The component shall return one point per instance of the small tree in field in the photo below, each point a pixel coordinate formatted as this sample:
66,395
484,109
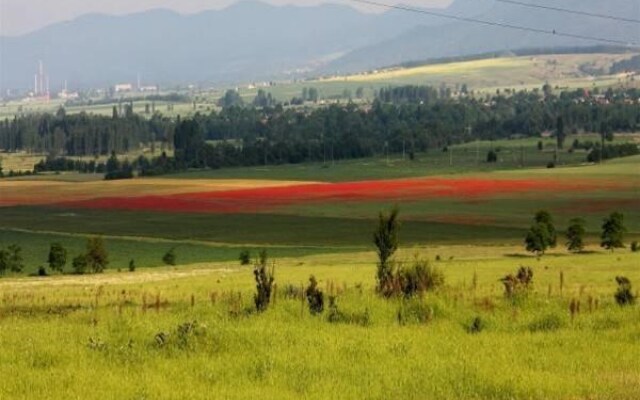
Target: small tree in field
386,240
170,257
57,257
544,217
575,235
264,282
537,239
97,256
613,231
245,257
79,264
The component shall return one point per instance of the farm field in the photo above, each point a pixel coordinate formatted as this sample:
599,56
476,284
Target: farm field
482,76
190,330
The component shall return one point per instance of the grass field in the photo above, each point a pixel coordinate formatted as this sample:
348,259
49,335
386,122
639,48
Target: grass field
68,334
189,331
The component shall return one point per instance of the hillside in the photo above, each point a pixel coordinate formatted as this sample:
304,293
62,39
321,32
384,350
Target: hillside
255,41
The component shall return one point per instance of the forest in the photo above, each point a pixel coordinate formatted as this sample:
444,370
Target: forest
406,119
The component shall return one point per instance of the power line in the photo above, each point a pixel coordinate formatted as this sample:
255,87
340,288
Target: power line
568,11
500,24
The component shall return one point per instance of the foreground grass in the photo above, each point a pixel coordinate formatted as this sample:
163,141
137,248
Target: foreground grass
96,339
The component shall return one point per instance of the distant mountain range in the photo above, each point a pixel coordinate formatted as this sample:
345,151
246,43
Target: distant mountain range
252,41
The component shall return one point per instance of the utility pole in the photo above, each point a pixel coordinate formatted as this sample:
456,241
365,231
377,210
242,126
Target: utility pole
450,156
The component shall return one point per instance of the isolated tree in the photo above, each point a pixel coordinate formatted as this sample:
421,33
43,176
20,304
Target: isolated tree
538,239
170,257
385,239
540,145
575,235
57,257
492,157
544,217
613,231
97,256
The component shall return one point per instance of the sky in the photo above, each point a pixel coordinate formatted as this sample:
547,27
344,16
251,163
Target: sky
22,16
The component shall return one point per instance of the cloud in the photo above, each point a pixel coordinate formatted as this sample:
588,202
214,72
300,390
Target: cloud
18,17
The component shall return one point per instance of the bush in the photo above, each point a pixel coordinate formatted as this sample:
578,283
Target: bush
132,265
476,326
245,257
170,257
419,278
518,284
315,297
635,247
624,296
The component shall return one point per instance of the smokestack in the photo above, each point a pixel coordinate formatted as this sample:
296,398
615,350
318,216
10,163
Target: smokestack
35,85
41,77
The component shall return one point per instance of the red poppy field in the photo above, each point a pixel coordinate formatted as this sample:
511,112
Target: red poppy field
267,199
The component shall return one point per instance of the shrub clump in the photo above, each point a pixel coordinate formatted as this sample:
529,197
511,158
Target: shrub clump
476,326
420,277
518,284
624,296
245,257
315,297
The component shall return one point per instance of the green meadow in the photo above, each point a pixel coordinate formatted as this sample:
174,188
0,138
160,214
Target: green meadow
191,330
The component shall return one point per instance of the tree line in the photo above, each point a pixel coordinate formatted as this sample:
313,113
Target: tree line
408,119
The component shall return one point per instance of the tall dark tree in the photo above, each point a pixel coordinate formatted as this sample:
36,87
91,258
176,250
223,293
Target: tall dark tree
575,235
97,256
613,231
57,257
544,217
385,239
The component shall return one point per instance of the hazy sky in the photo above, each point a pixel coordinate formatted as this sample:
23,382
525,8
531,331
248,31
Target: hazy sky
21,16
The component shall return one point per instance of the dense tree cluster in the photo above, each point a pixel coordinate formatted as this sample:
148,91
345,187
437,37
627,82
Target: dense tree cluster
410,119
